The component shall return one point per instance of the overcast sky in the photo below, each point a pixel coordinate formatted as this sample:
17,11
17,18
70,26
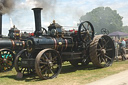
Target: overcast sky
65,12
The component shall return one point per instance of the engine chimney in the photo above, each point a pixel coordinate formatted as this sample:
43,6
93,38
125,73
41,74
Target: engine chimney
0,25
37,15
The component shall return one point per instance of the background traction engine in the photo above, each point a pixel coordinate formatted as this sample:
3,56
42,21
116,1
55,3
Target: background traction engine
7,46
7,54
44,54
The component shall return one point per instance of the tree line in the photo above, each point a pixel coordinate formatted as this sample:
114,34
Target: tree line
105,17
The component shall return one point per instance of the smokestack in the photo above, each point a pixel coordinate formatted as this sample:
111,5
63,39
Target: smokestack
0,25
37,15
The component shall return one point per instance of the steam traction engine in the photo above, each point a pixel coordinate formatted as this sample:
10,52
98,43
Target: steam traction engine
7,46
44,54
11,45
8,49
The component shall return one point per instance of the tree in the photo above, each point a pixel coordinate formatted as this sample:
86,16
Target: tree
104,17
125,29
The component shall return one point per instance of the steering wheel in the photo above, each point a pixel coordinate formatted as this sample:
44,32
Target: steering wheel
86,32
44,31
104,31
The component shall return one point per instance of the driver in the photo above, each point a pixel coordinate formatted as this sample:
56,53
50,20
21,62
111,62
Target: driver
54,25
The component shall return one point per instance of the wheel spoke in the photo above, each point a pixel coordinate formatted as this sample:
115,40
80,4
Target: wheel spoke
43,68
43,62
51,70
99,58
84,27
110,49
104,60
108,57
98,54
98,49
50,56
99,45
46,57
106,43
89,37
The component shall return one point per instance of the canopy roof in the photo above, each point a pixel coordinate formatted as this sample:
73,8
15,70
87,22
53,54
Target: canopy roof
118,33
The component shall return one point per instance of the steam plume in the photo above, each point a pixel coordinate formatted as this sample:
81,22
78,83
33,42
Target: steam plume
6,6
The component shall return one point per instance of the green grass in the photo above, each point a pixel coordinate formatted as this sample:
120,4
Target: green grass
68,76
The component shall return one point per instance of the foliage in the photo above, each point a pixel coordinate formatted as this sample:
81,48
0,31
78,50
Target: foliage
104,17
125,29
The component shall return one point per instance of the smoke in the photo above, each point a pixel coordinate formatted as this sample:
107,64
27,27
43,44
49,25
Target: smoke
47,5
6,6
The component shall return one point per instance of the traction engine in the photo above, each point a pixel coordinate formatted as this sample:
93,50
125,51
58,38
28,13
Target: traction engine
44,54
9,46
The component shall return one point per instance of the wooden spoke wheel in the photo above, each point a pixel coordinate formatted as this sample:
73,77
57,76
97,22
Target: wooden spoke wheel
7,58
23,54
102,51
86,32
48,64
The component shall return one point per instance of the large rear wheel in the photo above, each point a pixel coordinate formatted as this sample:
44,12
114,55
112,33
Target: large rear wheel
102,51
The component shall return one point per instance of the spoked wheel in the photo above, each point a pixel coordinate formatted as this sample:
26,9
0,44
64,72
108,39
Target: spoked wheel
48,64
104,31
102,51
7,58
86,32
20,66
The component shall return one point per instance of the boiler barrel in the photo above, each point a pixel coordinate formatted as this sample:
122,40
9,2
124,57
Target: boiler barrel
11,44
59,44
5,43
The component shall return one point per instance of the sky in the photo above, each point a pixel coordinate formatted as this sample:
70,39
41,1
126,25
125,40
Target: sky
65,12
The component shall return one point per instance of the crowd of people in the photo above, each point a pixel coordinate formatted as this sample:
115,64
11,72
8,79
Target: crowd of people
120,48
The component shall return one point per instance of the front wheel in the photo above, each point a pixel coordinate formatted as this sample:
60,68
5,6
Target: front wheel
48,64
7,58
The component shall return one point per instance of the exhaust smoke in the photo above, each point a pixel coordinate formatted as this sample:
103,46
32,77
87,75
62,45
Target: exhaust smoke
6,6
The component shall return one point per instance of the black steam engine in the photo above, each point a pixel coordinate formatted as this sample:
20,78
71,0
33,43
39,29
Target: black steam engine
7,47
44,54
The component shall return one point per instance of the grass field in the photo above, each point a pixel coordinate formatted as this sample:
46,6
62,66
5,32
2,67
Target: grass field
68,76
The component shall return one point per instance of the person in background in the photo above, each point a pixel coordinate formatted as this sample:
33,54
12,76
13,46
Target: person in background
122,49
116,49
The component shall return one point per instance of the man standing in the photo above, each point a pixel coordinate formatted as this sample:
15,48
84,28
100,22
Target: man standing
123,50
116,49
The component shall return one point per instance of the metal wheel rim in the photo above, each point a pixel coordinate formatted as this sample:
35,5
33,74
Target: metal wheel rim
44,64
7,58
104,31
86,32
102,51
18,59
